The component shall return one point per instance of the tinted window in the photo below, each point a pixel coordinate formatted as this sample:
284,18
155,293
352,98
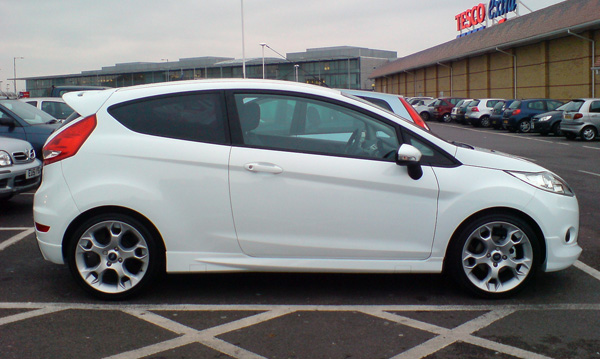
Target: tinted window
194,117
59,110
573,106
307,125
492,103
552,105
595,106
536,105
378,102
515,105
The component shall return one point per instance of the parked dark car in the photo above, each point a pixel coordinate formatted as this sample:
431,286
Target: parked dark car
58,91
517,117
461,112
548,122
442,108
496,118
23,121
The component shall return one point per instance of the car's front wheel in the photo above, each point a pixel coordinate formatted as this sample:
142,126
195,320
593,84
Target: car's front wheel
114,256
425,116
447,118
494,256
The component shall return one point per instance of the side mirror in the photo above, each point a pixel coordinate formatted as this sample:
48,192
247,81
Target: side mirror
410,157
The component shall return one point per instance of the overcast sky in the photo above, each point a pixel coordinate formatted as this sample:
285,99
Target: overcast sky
70,36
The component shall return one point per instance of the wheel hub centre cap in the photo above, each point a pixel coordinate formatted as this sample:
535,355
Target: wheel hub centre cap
497,257
112,256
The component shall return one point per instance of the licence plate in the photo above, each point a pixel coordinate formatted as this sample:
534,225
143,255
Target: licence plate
506,122
34,172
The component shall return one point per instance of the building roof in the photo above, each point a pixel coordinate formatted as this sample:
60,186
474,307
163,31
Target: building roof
547,23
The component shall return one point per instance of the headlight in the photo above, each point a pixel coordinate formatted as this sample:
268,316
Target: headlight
546,181
545,118
5,159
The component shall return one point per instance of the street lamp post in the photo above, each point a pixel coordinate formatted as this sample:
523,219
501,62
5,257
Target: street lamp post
263,57
243,43
15,71
167,60
296,67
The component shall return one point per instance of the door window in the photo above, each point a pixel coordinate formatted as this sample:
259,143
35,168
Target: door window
595,107
307,125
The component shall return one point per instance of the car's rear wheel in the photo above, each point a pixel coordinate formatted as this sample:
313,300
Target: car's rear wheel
447,118
425,116
114,256
494,256
589,133
485,121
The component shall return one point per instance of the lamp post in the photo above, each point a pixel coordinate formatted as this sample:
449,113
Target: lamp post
263,57
243,43
15,71
167,60
296,67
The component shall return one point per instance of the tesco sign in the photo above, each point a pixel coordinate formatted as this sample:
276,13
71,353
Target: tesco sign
478,14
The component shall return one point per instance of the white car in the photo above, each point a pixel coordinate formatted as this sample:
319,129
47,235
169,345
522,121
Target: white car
254,175
54,106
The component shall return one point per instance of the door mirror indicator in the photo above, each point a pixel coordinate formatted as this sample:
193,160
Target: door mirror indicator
410,157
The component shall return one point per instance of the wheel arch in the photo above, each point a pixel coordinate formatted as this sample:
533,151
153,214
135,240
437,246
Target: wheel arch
112,209
499,210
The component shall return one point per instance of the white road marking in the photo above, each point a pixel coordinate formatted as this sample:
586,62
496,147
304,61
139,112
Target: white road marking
16,238
587,269
589,173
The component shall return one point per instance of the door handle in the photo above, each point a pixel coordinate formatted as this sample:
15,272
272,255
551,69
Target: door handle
263,167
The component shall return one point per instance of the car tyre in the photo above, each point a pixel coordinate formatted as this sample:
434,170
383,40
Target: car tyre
425,116
494,256
589,133
484,121
114,255
556,129
447,118
525,126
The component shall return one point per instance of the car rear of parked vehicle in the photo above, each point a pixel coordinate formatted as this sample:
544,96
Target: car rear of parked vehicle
581,118
497,115
479,111
442,108
251,175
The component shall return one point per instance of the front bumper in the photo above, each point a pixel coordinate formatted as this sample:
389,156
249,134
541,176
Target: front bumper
20,178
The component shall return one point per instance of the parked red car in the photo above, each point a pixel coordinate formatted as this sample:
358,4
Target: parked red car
442,108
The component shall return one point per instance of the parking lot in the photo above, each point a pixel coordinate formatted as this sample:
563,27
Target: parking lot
43,314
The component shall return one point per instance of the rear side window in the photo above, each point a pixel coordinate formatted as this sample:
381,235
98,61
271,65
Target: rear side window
515,105
536,105
378,102
492,103
595,107
573,106
192,117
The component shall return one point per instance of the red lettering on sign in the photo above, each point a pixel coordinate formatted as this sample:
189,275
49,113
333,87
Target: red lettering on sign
470,17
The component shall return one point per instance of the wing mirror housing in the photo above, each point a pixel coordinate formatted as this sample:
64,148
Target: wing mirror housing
410,157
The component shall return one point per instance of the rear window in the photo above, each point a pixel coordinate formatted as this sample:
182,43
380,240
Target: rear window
192,117
515,105
378,102
573,106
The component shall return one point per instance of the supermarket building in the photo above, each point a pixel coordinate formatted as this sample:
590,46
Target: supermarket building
550,53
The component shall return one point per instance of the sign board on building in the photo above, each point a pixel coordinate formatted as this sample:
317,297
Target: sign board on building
477,18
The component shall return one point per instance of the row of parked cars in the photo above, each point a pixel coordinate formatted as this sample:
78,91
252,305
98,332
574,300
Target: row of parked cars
25,124
576,118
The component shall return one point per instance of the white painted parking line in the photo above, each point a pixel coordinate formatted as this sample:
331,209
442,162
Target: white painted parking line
16,238
592,148
443,338
590,173
587,269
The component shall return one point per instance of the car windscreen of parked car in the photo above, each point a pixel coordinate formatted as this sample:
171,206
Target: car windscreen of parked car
573,106
27,112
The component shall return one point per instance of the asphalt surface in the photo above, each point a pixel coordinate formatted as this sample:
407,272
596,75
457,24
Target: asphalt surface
43,314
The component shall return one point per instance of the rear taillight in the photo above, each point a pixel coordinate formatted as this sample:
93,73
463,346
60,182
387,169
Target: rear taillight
474,109
577,115
516,112
69,141
414,114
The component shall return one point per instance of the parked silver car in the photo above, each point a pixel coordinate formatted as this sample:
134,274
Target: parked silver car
479,111
20,171
581,118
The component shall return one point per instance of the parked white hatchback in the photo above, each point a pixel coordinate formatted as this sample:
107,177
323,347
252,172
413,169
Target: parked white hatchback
242,175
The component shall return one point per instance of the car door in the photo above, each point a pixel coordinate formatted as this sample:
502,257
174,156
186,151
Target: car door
315,179
594,113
